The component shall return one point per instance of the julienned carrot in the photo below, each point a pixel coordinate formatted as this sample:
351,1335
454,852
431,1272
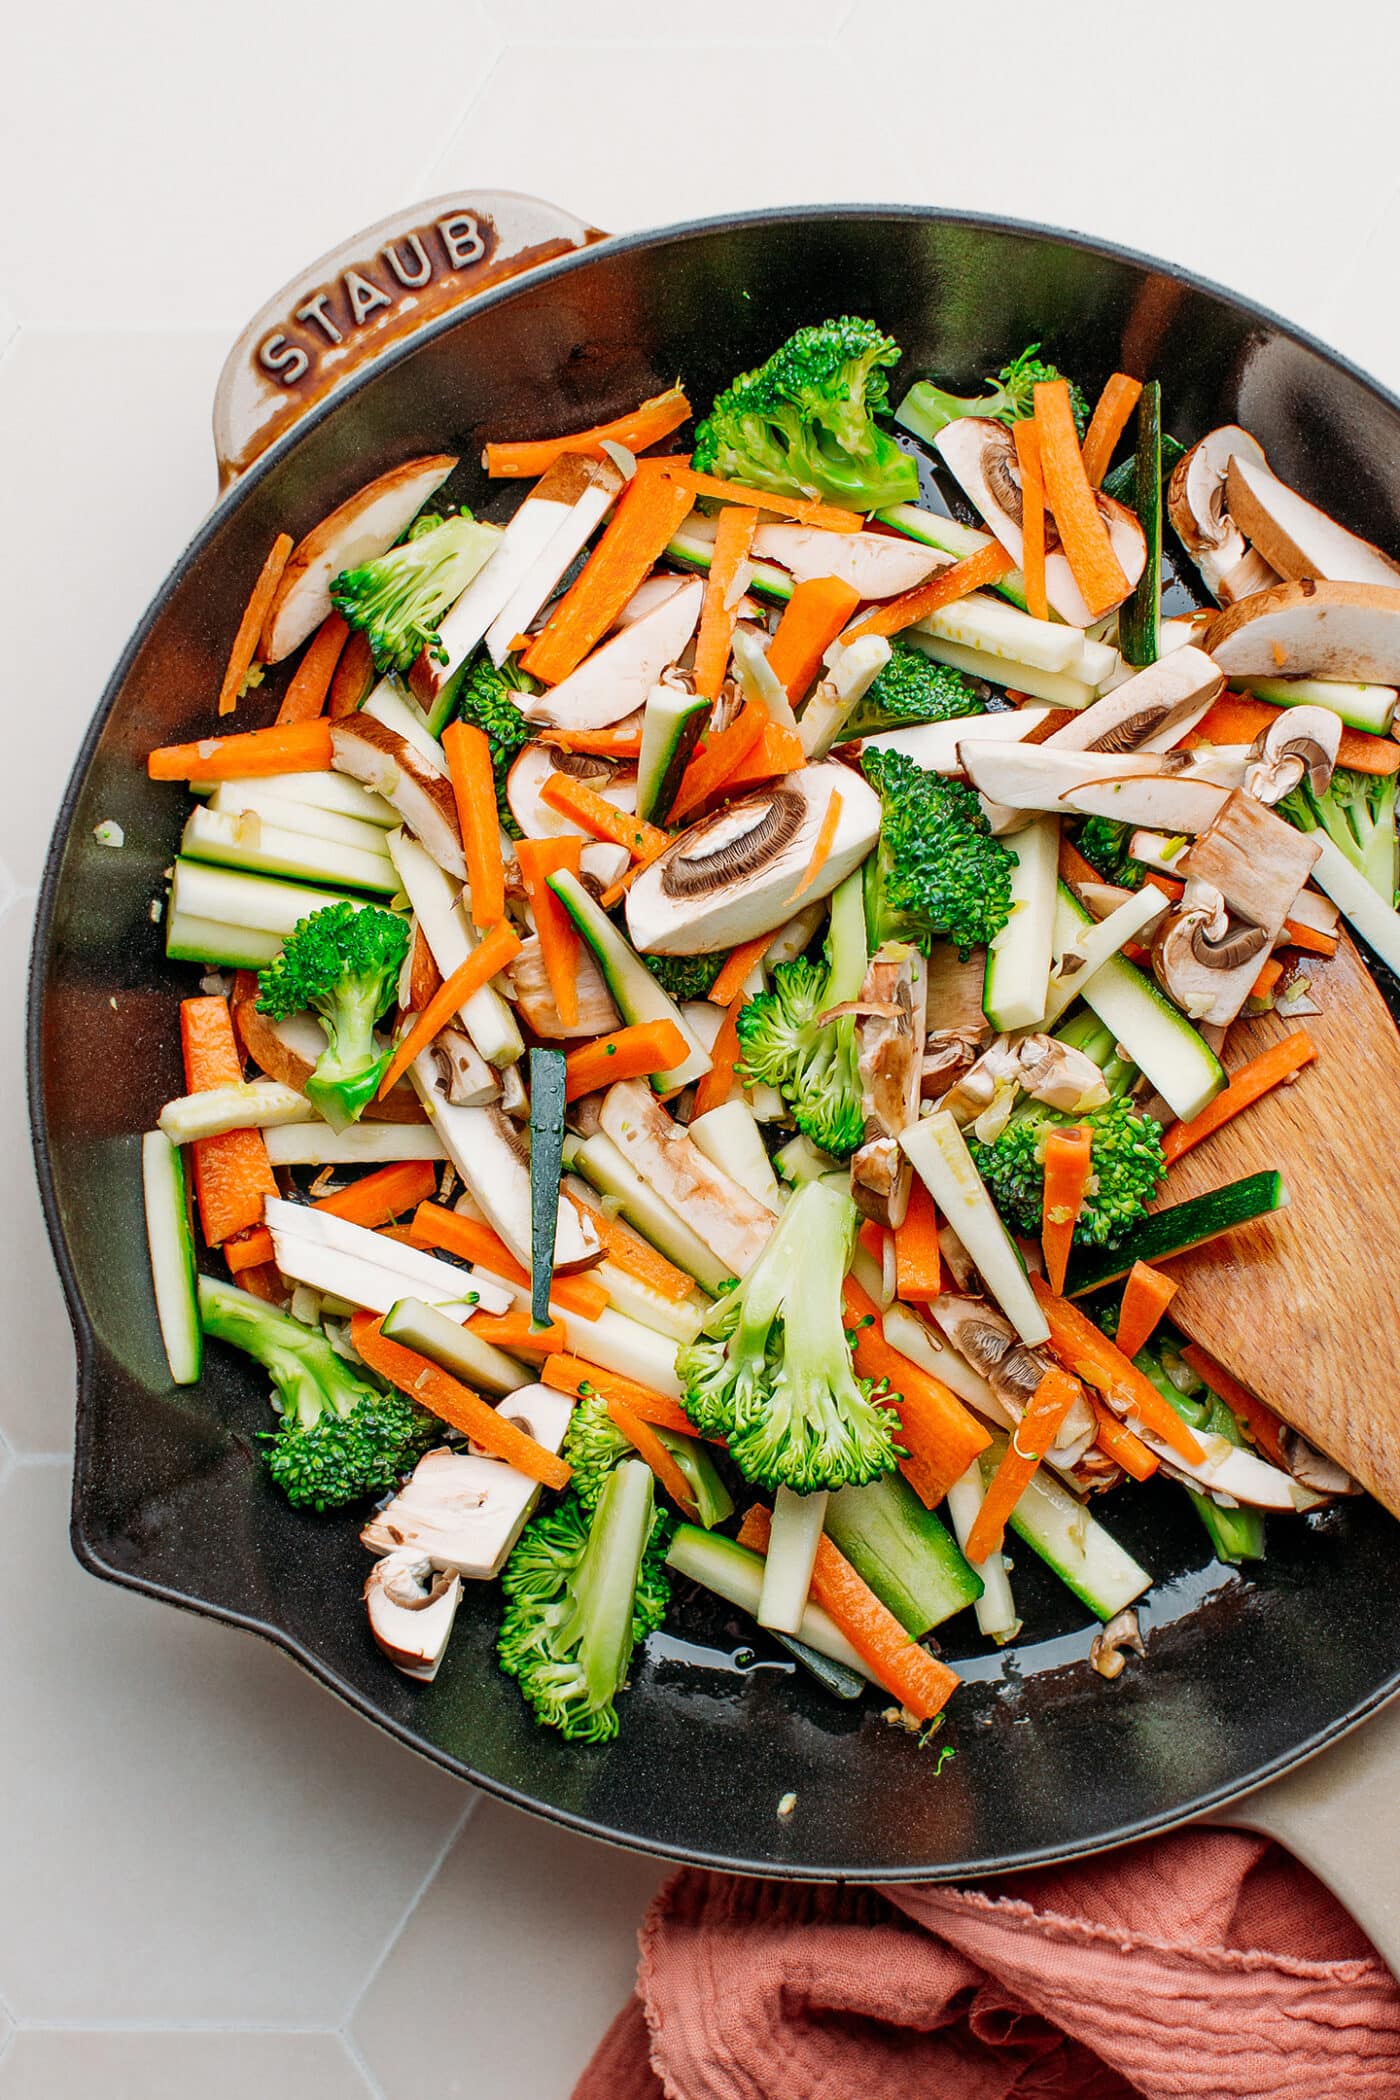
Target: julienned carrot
597,816
1296,935
987,565
629,1251
778,751
716,756
574,1374
354,675
907,1671
250,1249
372,1201
713,1088
1260,1422
647,424
232,1174
628,1053
1032,516
500,946
1082,1348
648,513
821,845
472,1241
1030,1440
456,1404
538,859
1237,718
299,747
724,587
918,1260
1146,1296
1268,977
474,791
737,968
245,642
515,1332
1068,1166
305,697
806,512
1094,565
1271,1068
812,618
622,741
1110,419
648,1445
1118,1442
940,1437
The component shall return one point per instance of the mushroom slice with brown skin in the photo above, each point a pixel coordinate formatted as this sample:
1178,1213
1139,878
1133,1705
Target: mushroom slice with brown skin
383,760
411,1609
948,1054
1148,712
1303,740
988,1341
874,563
1242,875
463,1511
614,680
537,763
467,1079
734,1225
989,1085
889,1036
955,988
289,1049
1135,787
1060,1075
1347,631
1106,1648
1313,1469
597,1014
1197,507
1294,536
1199,952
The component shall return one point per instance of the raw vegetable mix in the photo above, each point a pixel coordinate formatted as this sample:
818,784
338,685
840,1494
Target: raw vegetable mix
707,974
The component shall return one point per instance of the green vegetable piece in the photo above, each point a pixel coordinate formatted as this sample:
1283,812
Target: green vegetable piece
1358,814
1237,1534
784,1042
1139,622
937,873
926,409
546,1166
397,600
902,1551
912,688
1103,841
593,1445
1177,1229
1121,481
344,963
686,976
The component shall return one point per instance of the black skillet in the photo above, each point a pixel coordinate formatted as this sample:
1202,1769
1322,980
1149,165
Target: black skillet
1246,1673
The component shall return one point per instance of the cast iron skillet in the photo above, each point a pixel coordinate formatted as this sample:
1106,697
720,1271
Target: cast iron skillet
1245,1673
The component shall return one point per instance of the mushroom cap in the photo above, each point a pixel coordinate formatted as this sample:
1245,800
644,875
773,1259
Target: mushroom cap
1348,631
1149,711
1303,740
1199,946
1196,502
369,751
412,1607
1294,536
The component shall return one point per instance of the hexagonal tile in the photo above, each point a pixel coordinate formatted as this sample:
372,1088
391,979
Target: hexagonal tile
516,1901
67,2066
194,1831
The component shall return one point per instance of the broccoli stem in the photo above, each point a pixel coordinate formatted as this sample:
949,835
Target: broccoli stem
300,1361
847,953
605,1583
926,409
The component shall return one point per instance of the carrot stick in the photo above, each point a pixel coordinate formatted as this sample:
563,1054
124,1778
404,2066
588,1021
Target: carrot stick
538,859
250,1249
1032,516
474,791
455,1403
572,1374
245,642
1088,549
500,946
738,968
940,1437
734,531
634,1254
1261,1423
300,747
1238,719
648,1445
305,697
628,1053
514,1332
525,459
1146,1296
1268,977
802,508
812,618
617,742
470,1240
1083,1349
1112,410
354,675
1068,1166
232,1173
714,1087
1271,1068
585,807
778,751
1030,1440
907,1671
985,566
822,845
716,755
1296,935
265,1282
1167,884
648,512
918,1260
1118,1442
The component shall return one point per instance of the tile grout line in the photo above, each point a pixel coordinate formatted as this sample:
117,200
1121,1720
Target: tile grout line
362,2064
429,175
154,2027
438,1863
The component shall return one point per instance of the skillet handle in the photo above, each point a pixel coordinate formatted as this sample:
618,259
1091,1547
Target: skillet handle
1340,1815
372,292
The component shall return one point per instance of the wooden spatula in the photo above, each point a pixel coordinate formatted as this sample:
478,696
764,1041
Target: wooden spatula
1304,1306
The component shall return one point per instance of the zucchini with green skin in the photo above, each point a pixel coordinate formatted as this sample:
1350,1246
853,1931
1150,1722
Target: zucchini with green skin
635,992
1237,1533
942,1161
1177,1229
902,1552
1139,621
672,724
713,1500
546,1167
1157,1036
423,1328
735,1573
693,551
251,842
600,1162
932,530
189,938
170,1238
1017,981
1056,1525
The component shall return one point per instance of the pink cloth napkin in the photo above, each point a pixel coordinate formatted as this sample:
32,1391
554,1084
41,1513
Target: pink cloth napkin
1205,1963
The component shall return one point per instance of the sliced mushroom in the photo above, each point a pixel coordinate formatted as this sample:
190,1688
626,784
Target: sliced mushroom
1149,712
1248,576
372,753
515,1102
1060,1075
615,679
955,990
362,528
986,1093
1106,1648
493,1160
1302,740
1242,876
890,1037
1197,507
1133,787
651,592
601,863
732,1223
1229,1473
991,1345
537,763
948,1053
597,1014
468,1081
1312,1468
1347,631
1294,536
589,487
411,1609
877,565
462,1512
1200,950
933,746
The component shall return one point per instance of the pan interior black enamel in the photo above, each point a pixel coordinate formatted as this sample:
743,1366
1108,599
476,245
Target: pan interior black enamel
1243,1672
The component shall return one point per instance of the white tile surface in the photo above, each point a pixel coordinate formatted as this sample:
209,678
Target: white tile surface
44,2066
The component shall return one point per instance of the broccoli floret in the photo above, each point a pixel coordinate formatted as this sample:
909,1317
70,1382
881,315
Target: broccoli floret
685,976
1103,841
398,599
342,1437
937,871
593,1445
926,409
483,698
912,688
802,424
783,1040
344,963
771,1370
1358,815
581,1591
